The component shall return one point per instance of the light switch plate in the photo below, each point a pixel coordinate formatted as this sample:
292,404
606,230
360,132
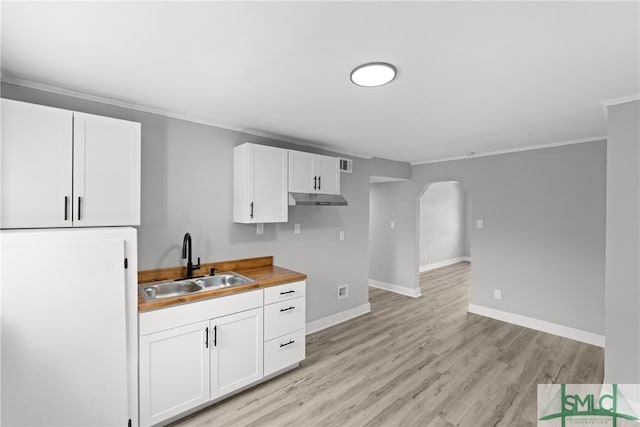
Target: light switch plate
341,235
392,224
479,223
260,228
296,228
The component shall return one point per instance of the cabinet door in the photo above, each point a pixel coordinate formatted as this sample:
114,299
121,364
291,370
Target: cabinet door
35,166
302,174
106,177
237,352
268,177
174,372
329,175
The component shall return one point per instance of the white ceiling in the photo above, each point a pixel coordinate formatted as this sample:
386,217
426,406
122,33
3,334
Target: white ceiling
473,76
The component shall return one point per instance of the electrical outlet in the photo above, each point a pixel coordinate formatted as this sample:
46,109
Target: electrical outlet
392,224
341,235
296,228
260,228
497,294
425,257
343,291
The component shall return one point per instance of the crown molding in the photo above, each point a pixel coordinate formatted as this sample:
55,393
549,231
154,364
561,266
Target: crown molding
152,110
513,150
620,100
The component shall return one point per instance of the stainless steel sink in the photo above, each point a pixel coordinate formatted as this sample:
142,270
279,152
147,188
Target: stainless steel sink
171,288
154,291
223,280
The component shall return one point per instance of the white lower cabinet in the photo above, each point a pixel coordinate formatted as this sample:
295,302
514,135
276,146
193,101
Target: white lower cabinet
284,326
284,351
174,372
196,353
236,352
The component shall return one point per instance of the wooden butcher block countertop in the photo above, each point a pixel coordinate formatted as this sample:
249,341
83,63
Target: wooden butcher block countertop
261,270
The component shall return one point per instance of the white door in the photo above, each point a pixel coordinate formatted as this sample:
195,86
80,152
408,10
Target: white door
36,160
236,355
64,355
329,175
302,174
106,176
268,178
174,372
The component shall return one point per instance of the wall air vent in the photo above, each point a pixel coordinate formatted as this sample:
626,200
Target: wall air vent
346,165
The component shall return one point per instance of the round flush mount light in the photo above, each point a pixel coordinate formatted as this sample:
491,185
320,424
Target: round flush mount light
373,74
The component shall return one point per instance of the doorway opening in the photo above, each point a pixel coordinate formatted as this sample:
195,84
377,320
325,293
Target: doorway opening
444,225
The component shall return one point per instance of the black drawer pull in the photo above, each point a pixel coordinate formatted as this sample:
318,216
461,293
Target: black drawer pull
286,292
287,343
287,309
206,339
66,208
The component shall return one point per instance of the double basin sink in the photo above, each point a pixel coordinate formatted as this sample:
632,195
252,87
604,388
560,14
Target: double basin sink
175,288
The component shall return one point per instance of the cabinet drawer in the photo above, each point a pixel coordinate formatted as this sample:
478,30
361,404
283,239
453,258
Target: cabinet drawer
284,317
283,292
284,351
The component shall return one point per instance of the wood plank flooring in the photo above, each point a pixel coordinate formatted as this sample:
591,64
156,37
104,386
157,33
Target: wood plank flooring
414,362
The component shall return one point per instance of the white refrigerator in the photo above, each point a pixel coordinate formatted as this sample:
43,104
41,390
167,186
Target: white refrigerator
68,311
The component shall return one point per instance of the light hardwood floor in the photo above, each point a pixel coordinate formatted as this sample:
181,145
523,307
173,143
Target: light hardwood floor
414,362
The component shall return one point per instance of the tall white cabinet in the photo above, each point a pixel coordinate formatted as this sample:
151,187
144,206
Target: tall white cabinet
69,336
61,168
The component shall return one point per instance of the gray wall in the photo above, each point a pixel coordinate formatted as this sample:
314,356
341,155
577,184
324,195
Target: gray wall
389,168
443,223
187,186
544,230
622,352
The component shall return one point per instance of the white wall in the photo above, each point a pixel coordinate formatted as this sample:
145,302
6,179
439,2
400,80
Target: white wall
443,221
622,351
543,237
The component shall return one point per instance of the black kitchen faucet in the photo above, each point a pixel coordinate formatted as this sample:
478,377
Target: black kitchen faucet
186,254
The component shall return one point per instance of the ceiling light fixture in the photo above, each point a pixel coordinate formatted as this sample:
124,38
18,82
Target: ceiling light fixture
373,74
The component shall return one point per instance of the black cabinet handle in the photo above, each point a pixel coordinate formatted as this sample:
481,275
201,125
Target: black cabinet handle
287,309
66,208
287,343
286,292
215,336
251,215
79,208
319,182
315,182
206,340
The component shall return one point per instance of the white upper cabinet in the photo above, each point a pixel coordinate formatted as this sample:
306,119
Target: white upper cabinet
106,175
36,161
313,173
66,169
259,184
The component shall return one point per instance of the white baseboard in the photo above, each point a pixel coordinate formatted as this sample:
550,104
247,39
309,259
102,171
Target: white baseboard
402,290
444,263
539,325
334,319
